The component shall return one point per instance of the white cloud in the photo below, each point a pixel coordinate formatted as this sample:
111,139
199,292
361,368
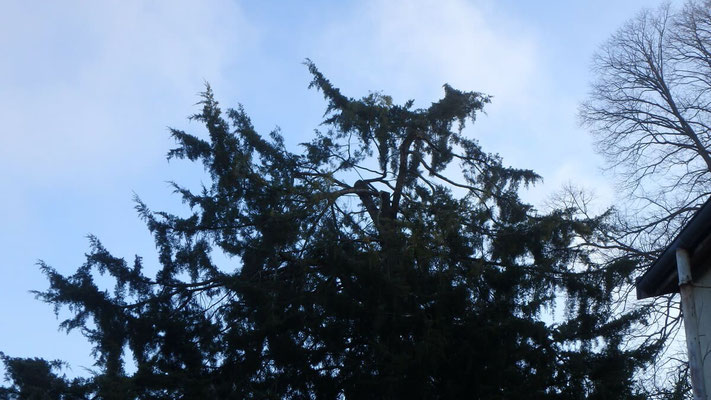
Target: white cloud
88,87
411,47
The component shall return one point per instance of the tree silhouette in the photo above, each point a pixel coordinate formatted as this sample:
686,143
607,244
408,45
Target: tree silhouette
650,112
392,258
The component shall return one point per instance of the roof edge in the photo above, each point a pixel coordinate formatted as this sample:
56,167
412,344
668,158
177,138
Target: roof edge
661,276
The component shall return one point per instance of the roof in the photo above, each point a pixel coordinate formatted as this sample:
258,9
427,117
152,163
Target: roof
661,277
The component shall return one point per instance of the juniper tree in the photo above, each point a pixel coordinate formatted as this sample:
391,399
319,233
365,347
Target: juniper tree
391,258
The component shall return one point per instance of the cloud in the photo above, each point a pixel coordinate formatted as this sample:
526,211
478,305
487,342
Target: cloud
409,46
409,49
88,87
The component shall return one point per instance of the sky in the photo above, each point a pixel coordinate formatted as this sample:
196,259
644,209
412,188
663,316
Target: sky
88,90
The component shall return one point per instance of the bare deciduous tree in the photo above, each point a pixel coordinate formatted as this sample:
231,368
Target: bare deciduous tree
650,113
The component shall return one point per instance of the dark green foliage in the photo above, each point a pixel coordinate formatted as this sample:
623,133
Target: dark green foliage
370,266
34,379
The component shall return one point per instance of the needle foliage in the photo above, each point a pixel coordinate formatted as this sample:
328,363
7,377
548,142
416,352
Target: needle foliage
390,258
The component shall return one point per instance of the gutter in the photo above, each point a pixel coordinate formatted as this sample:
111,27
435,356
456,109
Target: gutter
662,276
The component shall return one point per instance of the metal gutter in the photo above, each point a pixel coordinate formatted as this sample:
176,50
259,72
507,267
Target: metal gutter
662,277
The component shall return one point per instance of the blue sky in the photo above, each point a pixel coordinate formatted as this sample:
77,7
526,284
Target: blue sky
88,89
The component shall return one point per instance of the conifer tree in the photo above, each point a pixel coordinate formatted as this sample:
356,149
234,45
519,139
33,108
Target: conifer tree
391,258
